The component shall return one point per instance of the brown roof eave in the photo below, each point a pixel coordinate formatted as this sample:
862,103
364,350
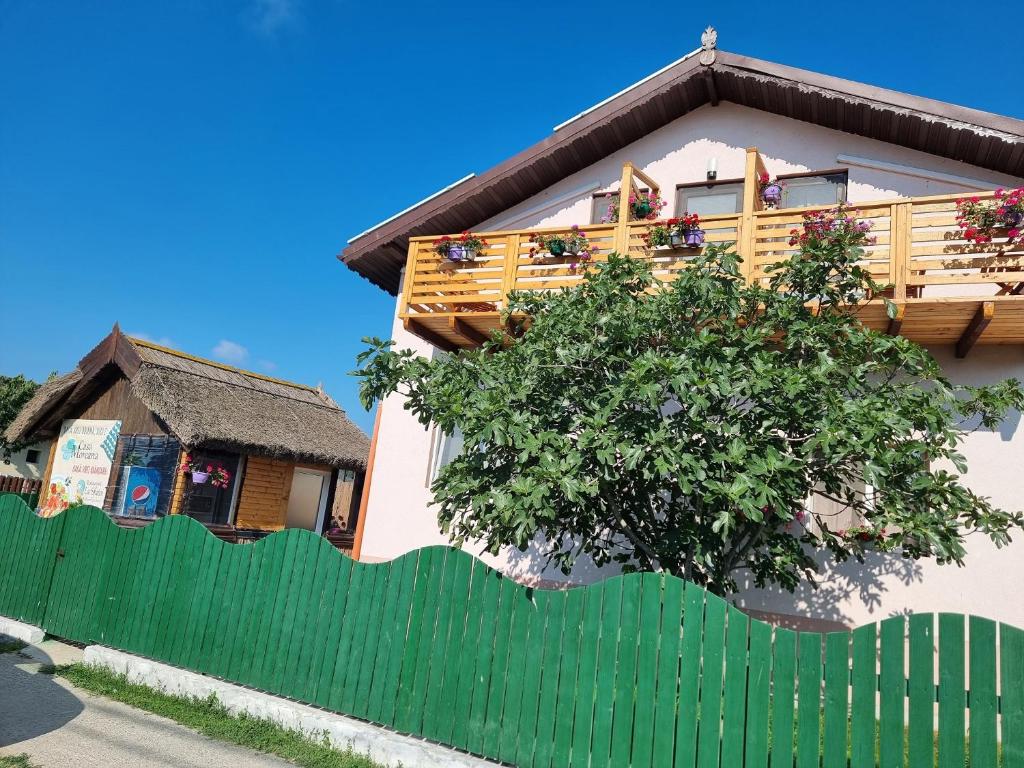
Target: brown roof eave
990,121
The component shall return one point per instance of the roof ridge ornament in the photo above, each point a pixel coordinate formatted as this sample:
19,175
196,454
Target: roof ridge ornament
708,42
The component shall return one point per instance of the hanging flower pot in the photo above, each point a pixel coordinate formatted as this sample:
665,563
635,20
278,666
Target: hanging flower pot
1013,219
465,248
771,194
461,253
694,238
199,478
641,209
572,243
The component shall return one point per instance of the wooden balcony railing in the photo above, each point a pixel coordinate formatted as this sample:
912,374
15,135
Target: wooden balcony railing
947,291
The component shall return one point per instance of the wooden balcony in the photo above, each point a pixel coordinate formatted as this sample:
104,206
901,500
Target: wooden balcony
947,291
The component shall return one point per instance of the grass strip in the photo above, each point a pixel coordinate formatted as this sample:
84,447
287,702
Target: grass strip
17,761
210,718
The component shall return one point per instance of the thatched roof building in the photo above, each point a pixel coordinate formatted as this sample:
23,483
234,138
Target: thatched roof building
205,404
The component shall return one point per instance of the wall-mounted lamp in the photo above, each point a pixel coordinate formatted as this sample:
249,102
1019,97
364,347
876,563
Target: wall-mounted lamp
712,169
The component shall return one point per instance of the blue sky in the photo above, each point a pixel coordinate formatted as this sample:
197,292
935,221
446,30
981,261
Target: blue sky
190,169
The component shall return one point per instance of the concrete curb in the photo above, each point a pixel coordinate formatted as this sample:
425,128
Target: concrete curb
21,631
379,744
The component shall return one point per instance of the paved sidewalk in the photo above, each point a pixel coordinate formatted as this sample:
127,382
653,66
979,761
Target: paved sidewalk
58,725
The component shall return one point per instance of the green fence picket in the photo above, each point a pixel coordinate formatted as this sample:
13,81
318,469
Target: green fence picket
808,715
836,698
982,685
783,698
921,690
892,693
864,685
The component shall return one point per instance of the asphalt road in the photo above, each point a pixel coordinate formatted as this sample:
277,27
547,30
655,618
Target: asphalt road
58,725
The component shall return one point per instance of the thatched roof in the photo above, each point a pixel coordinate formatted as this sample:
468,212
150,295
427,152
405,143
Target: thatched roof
49,394
207,404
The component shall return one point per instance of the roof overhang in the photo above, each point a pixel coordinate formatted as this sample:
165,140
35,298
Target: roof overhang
979,138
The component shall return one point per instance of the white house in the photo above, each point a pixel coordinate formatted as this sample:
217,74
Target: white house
28,462
689,130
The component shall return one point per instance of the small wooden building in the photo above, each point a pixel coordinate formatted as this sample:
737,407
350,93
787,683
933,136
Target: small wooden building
268,454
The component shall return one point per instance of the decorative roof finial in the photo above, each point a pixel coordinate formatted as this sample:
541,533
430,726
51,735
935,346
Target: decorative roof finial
708,41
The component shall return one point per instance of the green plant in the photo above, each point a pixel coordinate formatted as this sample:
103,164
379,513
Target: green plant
661,233
17,761
979,220
573,243
10,645
15,392
467,240
681,427
642,206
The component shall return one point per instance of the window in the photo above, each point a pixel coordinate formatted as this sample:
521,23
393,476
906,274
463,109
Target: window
709,199
32,456
144,475
206,502
600,202
445,448
599,206
814,189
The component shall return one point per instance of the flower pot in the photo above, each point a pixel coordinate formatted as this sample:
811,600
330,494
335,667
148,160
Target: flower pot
556,248
694,238
676,240
461,253
1013,219
772,195
200,477
641,210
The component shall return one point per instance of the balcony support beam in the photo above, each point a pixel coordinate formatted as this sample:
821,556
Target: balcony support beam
419,329
467,331
975,328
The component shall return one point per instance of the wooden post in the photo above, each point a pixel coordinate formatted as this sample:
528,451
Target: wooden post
620,243
408,277
899,249
511,271
357,546
178,490
44,491
747,235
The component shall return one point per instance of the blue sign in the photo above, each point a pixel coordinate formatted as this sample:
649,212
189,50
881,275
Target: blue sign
141,491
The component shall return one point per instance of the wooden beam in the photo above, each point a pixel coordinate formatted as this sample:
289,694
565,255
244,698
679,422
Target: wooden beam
895,323
364,499
975,328
417,328
467,331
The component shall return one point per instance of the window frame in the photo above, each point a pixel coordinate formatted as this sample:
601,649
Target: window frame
705,184
604,195
786,177
33,455
236,484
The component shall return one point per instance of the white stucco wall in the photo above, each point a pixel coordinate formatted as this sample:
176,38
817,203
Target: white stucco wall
887,585
19,466
399,517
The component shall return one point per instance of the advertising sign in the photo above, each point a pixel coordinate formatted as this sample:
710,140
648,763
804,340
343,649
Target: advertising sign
81,464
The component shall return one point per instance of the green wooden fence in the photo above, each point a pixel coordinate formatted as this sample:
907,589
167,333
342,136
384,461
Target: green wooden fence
639,670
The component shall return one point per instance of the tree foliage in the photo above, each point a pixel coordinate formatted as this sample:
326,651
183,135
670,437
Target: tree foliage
683,426
15,391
